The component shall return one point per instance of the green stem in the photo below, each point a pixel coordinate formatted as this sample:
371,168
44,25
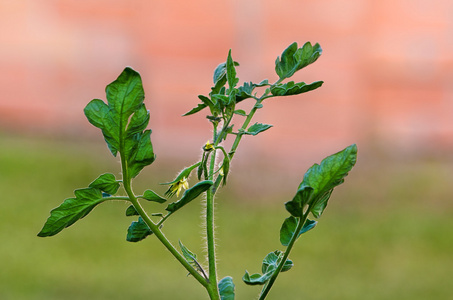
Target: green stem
155,228
244,127
210,234
238,139
210,194
277,271
116,198
163,219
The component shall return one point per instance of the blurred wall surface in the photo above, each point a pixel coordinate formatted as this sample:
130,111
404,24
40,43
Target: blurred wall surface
387,67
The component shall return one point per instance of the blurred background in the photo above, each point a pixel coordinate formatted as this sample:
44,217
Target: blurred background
388,73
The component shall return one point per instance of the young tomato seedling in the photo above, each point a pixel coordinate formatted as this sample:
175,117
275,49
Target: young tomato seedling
123,121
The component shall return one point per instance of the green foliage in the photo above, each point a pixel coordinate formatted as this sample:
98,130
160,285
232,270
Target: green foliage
246,90
191,258
311,197
293,59
152,196
291,88
256,279
190,195
289,228
231,72
123,121
131,211
300,200
226,288
138,231
320,180
106,183
272,260
270,264
72,210
257,128
189,255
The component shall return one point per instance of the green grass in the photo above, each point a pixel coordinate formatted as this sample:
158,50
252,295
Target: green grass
387,233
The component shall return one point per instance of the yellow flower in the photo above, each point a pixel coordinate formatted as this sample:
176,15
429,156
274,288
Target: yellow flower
208,146
178,186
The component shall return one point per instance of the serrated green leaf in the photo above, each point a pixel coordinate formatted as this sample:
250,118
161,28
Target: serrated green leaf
268,267
263,83
323,178
321,204
143,155
219,72
245,91
308,54
206,100
272,260
293,59
296,206
190,195
257,128
152,196
138,121
131,211
98,114
125,95
240,112
287,265
256,279
189,256
220,79
219,87
287,65
226,288
138,231
72,210
231,101
289,227
200,107
231,72
291,88
329,174
223,100
106,183
123,120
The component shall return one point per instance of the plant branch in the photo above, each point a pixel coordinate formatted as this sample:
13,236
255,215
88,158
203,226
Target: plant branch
210,228
300,225
155,228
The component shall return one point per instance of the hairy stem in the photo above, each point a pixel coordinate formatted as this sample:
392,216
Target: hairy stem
210,194
210,228
238,139
155,228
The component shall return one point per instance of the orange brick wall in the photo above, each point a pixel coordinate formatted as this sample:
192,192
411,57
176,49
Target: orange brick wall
387,67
